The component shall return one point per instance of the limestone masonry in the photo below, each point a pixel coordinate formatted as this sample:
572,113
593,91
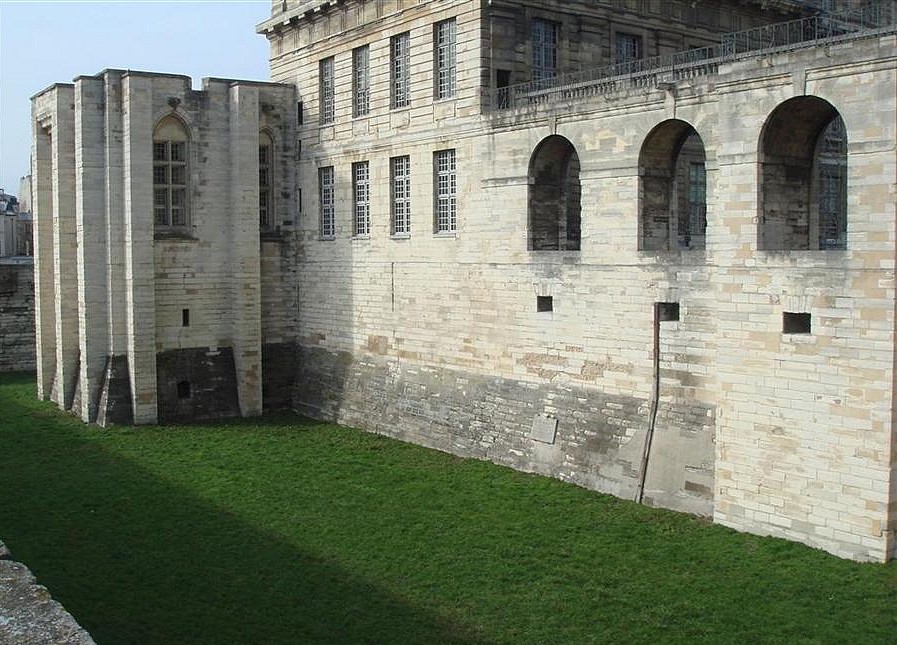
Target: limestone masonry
646,247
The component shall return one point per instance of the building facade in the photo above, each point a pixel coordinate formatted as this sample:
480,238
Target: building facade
645,247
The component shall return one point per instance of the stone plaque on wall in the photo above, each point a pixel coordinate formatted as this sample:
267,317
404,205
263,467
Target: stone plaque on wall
544,428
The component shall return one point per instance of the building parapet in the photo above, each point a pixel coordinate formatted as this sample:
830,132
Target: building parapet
874,19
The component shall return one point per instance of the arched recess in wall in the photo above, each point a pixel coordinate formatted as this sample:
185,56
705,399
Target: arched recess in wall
555,196
672,188
803,177
266,180
170,174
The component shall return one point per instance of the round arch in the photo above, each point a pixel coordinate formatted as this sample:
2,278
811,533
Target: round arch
555,196
672,188
803,177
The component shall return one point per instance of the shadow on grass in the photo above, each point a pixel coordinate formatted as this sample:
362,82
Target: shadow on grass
75,514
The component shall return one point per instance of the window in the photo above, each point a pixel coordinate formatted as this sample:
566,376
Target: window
400,180
361,88
170,174
266,151
446,183
628,48
444,55
831,161
327,90
696,224
328,213
400,70
362,193
545,50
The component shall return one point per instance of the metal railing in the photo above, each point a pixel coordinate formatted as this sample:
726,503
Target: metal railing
873,18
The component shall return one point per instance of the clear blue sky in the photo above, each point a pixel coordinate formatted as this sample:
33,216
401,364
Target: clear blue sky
42,43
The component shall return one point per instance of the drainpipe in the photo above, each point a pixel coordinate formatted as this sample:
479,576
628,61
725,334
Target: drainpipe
662,311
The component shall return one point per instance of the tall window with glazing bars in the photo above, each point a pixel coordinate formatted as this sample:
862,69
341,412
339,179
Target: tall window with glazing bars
446,185
362,193
326,196
327,90
545,50
361,81
400,70
444,36
400,181
170,174
266,161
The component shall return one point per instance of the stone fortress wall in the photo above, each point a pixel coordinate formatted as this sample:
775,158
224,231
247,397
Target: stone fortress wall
17,352
443,338
409,232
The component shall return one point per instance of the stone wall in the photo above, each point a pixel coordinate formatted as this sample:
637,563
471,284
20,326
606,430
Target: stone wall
28,615
17,350
474,343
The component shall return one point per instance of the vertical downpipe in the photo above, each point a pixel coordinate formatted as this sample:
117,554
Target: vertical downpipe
655,398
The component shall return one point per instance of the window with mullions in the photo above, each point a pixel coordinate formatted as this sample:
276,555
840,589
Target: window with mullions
400,180
446,186
170,174
328,206
628,48
327,90
444,55
362,193
400,70
545,50
361,81
266,161
696,224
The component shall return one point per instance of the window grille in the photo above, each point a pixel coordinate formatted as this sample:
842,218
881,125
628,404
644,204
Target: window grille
444,43
697,200
400,171
264,185
361,89
328,212
545,50
169,178
628,48
327,91
361,190
446,184
400,69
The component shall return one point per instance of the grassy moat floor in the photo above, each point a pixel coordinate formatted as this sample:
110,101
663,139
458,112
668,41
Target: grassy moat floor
286,530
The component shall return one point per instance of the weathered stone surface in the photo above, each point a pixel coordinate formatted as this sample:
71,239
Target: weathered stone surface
29,615
17,347
197,384
598,442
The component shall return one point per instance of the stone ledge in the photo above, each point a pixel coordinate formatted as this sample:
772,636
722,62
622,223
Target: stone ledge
28,615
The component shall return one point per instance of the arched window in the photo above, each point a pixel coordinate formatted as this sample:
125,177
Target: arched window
266,180
672,188
170,174
554,196
803,177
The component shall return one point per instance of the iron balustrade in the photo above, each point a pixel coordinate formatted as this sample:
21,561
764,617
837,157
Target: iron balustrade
872,19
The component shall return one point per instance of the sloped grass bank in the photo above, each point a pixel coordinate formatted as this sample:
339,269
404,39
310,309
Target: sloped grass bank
286,530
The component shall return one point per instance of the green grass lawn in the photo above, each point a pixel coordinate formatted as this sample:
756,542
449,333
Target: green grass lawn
286,530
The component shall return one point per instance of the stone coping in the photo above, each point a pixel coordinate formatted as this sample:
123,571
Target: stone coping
28,614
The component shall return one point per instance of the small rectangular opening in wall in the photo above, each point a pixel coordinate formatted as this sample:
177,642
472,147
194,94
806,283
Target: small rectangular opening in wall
185,317
544,303
300,117
667,311
183,389
795,323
